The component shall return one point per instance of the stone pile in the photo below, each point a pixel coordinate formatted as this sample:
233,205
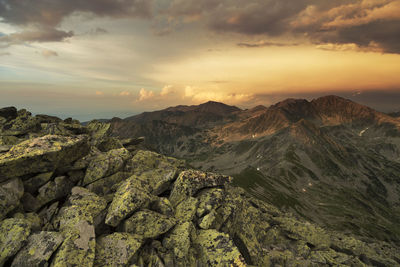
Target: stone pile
74,196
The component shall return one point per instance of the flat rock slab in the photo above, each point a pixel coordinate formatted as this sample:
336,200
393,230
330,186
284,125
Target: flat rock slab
39,248
13,234
41,155
10,194
191,181
116,249
148,224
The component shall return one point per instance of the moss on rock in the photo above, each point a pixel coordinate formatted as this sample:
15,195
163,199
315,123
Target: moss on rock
13,235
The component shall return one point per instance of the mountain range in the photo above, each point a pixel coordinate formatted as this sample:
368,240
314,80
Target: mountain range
330,160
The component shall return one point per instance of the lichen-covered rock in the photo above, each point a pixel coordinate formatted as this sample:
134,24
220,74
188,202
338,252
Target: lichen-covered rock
41,154
31,218
22,124
54,190
217,249
13,235
127,200
104,186
8,113
179,241
148,224
208,220
87,200
46,215
106,164
191,181
116,249
157,180
98,130
186,210
312,234
33,184
209,199
39,248
163,206
10,194
78,248
109,143
146,160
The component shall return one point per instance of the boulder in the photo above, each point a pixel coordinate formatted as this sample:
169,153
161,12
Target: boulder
146,160
98,130
158,180
23,124
109,143
163,206
78,247
54,190
217,249
10,194
116,249
186,210
104,186
40,246
41,154
148,224
87,201
33,184
191,181
106,164
179,241
127,200
13,235
209,199
8,113
31,218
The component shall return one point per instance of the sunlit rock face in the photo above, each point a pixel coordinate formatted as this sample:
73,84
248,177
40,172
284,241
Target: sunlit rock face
68,199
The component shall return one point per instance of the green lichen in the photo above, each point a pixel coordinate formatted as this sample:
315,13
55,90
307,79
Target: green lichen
186,210
148,224
13,235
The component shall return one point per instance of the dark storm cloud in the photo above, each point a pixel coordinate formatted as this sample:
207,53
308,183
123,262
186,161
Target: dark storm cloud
366,23
45,16
40,36
51,13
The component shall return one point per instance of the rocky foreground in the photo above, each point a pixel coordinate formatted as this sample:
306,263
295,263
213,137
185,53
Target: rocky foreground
73,196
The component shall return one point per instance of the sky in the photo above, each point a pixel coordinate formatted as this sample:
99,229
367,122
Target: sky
104,58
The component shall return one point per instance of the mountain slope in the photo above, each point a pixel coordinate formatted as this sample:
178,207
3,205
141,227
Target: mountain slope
329,160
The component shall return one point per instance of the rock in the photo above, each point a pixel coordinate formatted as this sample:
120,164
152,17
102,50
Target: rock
105,165
33,184
109,143
38,250
78,248
186,210
191,181
42,118
146,161
10,194
76,176
84,162
31,218
54,190
305,231
179,241
163,206
9,141
9,113
41,154
87,200
98,130
104,186
5,148
116,249
217,249
24,123
30,203
148,224
208,220
47,214
13,235
158,180
209,199
127,200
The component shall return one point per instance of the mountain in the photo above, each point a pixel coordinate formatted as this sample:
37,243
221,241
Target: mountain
330,160
72,195
395,114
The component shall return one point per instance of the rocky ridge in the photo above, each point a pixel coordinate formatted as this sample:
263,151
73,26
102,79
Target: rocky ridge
74,196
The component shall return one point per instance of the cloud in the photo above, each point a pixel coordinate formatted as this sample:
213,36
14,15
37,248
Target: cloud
265,44
99,93
2,54
97,31
167,90
145,95
51,13
49,53
200,95
359,22
125,93
40,36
